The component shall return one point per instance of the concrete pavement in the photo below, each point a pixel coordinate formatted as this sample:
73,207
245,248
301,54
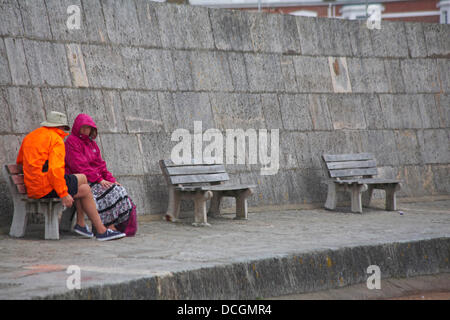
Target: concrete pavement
273,253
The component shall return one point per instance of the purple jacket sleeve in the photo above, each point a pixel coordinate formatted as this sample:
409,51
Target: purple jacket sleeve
77,162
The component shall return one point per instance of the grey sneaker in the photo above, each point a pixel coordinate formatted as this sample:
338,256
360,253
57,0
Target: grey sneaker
110,235
84,231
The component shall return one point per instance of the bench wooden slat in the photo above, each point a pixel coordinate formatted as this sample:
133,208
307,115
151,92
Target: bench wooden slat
17,179
199,178
351,164
21,188
348,157
228,187
368,181
14,168
192,162
189,169
353,172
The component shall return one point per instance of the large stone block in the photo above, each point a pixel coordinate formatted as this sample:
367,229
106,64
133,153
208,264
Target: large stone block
271,110
367,75
121,21
263,193
77,67
334,37
11,18
94,24
155,146
35,19
210,71
440,178
288,152
327,142
408,150
5,77
443,105
401,111
434,145
26,108
394,76
295,112
436,38
390,40
420,75
383,145
148,23
443,66
265,32
5,115
58,17
158,70
183,69
308,35
184,27
238,71
301,149
191,106
104,66
17,61
47,63
320,114
288,70
237,111
339,74
141,110
313,74
231,30
104,107
429,110
53,99
346,112
416,40
122,154
264,72
9,149
360,40
372,111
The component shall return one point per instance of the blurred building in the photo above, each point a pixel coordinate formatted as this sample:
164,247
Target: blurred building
434,11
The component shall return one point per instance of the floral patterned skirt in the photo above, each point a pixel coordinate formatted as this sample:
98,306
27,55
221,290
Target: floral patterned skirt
113,204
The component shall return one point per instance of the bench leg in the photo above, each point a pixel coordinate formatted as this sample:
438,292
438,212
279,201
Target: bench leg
331,201
241,204
19,222
367,196
51,221
214,209
200,198
356,190
391,200
67,219
173,209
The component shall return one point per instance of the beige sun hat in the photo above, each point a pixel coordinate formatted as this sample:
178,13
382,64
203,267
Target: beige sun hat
56,119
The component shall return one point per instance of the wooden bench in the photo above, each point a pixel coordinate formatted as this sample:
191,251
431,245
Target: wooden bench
355,173
13,175
200,182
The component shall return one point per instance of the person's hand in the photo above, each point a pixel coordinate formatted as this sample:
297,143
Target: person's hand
67,201
106,184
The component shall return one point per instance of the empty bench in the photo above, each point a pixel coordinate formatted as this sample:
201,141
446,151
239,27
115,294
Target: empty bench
355,173
200,182
13,175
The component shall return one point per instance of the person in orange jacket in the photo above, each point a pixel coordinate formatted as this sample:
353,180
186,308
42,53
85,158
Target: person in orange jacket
42,156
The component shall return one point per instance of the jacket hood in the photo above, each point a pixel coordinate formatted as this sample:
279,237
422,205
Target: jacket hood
81,120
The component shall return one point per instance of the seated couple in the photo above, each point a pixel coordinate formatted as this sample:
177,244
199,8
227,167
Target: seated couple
75,172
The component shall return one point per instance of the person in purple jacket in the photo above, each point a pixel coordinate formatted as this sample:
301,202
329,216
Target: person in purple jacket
116,209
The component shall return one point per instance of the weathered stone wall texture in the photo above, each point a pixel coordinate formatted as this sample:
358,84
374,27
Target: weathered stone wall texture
143,69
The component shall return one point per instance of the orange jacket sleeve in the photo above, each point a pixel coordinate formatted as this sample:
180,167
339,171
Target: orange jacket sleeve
56,168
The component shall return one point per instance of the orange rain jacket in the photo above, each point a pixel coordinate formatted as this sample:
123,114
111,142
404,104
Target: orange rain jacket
40,145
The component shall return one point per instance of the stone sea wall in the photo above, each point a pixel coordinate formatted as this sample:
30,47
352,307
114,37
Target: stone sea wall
143,70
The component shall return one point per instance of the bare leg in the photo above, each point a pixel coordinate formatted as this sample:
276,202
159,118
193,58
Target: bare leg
80,214
87,204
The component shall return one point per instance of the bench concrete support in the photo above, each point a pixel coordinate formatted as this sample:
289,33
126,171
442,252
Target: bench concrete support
391,200
200,199
331,201
20,217
356,190
216,201
173,208
241,204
